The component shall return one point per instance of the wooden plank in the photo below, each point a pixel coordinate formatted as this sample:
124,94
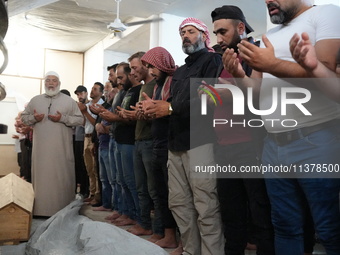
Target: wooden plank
9,243
16,205
15,224
16,190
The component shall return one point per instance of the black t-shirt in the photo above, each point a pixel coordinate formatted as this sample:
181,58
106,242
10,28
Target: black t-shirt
160,126
125,131
118,99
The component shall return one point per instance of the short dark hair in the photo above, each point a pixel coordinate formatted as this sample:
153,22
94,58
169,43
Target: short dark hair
114,67
100,85
66,92
126,67
138,54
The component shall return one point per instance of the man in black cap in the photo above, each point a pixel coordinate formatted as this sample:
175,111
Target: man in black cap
237,147
81,92
82,179
230,27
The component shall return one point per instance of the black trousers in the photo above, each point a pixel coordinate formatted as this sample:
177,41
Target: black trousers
26,159
245,207
160,173
80,168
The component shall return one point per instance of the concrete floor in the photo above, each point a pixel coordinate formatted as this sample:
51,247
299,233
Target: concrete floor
100,216
87,211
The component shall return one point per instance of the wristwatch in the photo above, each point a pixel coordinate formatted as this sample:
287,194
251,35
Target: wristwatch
170,110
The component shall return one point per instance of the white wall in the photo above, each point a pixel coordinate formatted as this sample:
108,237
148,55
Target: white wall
96,61
166,35
23,74
111,58
93,66
69,66
26,68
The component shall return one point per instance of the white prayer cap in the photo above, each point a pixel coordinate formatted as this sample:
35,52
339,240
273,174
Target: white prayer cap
51,73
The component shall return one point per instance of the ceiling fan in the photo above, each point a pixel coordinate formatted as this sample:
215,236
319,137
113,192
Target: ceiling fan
118,26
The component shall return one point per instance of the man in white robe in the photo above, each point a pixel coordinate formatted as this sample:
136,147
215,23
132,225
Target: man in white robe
52,116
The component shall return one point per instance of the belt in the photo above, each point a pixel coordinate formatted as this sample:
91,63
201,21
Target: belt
285,138
88,135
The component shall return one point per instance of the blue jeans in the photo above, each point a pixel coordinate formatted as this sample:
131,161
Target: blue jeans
287,196
145,182
126,178
116,189
104,173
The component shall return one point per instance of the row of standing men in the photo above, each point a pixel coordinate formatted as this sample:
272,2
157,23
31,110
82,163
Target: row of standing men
152,158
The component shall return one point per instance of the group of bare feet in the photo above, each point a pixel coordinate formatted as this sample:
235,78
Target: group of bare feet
168,240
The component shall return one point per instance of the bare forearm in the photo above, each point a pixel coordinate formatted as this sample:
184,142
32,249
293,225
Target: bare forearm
90,118
286,69
330,82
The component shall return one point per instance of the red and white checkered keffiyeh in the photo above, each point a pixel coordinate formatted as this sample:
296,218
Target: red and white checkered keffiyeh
200,26
162,60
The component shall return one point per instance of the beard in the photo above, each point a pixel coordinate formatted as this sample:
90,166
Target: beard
127,85
114,84
283,16
234,41
51,92
82,100
161,79
193,47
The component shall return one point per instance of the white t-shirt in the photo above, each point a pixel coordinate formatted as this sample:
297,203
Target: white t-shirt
88,126
320,22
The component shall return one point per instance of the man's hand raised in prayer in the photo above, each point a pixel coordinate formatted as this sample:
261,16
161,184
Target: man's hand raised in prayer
154,108
56,117
38,116
82,107
127,114
96,108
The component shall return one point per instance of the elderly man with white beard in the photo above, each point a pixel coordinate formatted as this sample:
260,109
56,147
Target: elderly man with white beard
52,116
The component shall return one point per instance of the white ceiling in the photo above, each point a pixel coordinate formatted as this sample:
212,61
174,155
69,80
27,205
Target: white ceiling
77,25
